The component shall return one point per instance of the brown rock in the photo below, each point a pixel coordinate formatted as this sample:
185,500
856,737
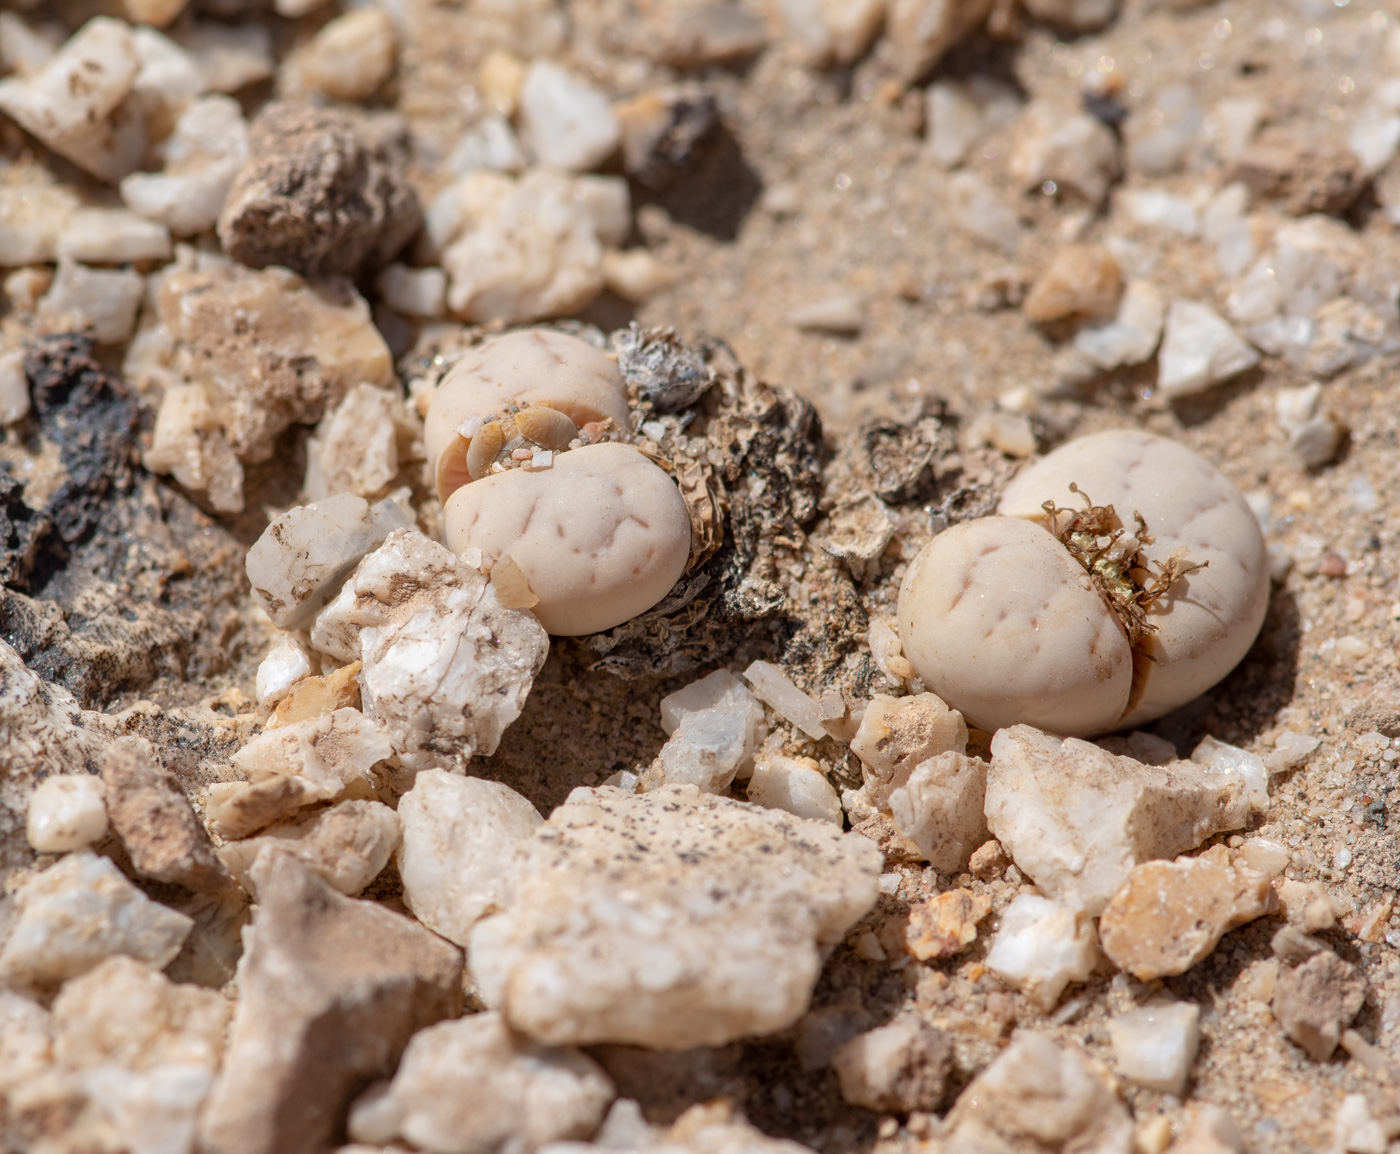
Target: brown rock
1083,280
1317,1001
988,861
270,349
1306,174
942,926
150,813
1169,915
896,1068
322,193
235,809
331,989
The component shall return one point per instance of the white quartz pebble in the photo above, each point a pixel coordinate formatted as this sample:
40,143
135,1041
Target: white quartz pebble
775,689
1155,1045
105,300
795,785
282,668
14,387
67,812
113,236
1199,349
201,157
1041,947
415,292
715,724
566,122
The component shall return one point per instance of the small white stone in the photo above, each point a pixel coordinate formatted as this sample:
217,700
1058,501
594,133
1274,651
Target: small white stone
1158,208
1291,750
1373,138
349,59
201,157
189,444
1316,440
1356,1131
168,79
958,114
1132,336
230,56
1199,349
76,104
301,559
78,912
566,122
833,31
113,236
347,845
1233,124
359,445
32,217
939,808
282,668
25,48
104,299
636,275
1155,1045
415,292
775,689
1294,408
1041,947
1224,224
799,787
67,812
1075,153
980,211
489,143
461,849
1177,120
1244,767
473,1086
326,753
1265,855
715,725
14,387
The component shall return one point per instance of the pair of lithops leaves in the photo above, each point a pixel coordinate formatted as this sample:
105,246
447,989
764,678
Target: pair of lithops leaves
1083,626
527,439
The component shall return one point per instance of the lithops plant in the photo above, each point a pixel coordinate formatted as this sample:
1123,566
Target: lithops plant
1122,577
524,436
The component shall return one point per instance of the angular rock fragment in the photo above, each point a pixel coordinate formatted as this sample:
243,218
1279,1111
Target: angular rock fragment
566,122
322,193
942,926
78,912
1199,349
1076,819
77,102
796,785
317,695
1077,153
898,734
1036,1090
67,811
896,1068
302,558
1316,1001
671,919
323,755
271,349
346,846
1132,336
330,991
446,667
360,444
775,689
1155,1045
1041,947
474,1086
32,218
125,1013
714,726
188,443
200,158
940,809
153,818
103,300
922,31
462,846
1083,280
113,236
1169,915
348,59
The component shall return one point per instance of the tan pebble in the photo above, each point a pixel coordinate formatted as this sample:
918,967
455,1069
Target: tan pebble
942,926
313,696
1082,281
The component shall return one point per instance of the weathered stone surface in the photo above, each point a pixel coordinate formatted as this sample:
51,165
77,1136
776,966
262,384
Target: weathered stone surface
346,846
1155,1045
714,726
1041,947
1076,819
302,558
189,444
897,734
946,924
272,349
896,1068
474,1086
940,809
1316,1001
78,912
152,816
360,445
330,991
125,1013
462,846
1169,915
1036,1090
323,193
446,667
671,919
